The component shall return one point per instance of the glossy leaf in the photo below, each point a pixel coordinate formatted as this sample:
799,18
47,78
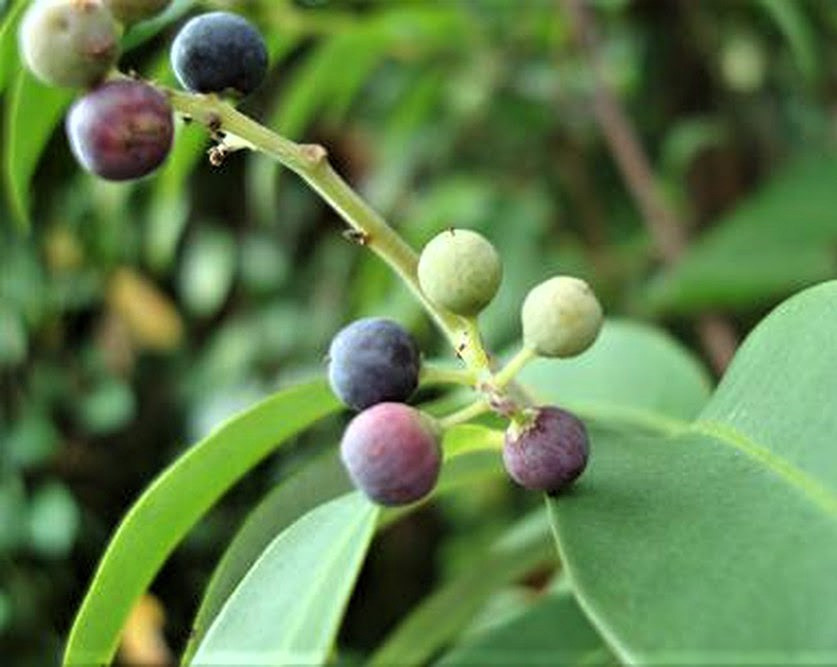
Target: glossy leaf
287,609
319,482
715,543
174,502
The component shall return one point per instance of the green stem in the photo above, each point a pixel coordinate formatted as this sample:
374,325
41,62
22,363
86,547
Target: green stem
311,163
437,375
513,367
466,414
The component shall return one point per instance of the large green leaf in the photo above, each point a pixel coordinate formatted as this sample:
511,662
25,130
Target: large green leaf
553,631
716,542
287,609
444,614
634,373
471,458
322,480
777,241
173,504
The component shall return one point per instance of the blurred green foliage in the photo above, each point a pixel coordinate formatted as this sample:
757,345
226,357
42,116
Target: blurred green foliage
134,317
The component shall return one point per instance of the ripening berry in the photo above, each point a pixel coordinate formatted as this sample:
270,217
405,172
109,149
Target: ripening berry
549,452
392,453
131,11
460,270
70,43
373,360
561,317
121,130
219,52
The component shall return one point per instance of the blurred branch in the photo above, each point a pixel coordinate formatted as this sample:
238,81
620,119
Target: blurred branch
717,336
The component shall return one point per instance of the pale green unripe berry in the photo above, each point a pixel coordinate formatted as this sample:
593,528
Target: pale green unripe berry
460,271
561,317
70,43
131,11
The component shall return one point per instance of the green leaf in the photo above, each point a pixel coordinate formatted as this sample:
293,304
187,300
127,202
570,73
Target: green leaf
319,482
634,373
552,631
444,614
471,458
287,609
777,241
792,21
9,60
174,502
715,543
32,112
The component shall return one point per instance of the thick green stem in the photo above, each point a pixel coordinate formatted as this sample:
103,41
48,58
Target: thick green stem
368,228
311,163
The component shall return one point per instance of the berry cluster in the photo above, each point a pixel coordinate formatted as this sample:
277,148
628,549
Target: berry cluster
122,129
392,451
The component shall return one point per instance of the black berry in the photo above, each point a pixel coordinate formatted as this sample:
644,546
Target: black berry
121,130
219,52
548,452
392,453
371,361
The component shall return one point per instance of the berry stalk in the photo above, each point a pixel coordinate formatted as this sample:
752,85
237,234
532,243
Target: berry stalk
310,162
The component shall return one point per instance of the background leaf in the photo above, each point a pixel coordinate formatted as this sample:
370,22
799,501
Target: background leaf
778,240
421,635
634,373
552,631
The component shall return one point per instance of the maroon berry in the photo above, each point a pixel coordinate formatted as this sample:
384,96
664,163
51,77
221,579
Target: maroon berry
121,130
548,452
392,453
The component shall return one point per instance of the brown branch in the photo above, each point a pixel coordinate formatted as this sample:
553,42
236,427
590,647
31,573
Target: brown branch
717,336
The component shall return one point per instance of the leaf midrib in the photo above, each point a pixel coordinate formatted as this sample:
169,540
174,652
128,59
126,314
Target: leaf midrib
811,488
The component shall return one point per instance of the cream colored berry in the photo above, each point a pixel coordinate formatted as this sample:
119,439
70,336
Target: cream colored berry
561,317
71,43
460,271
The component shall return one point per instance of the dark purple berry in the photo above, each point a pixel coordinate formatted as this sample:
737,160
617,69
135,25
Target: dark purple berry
371,361
392,453
548,452
219,52
121,130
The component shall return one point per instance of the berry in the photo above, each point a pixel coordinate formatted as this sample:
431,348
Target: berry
460,270
548,452
131,11
121,130
70,43
371,361
561,317
392,453
219,52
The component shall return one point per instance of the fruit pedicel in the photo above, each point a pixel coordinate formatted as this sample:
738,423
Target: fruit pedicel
122,128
